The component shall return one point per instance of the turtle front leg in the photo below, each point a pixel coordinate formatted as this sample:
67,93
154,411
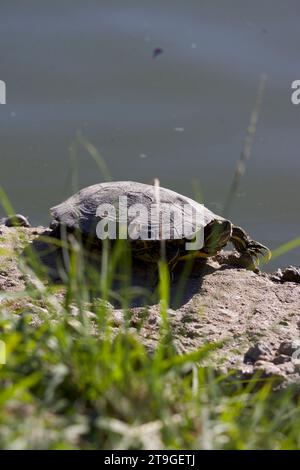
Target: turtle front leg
244,245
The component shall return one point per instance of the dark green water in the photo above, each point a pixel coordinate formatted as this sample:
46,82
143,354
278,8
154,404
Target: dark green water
182,117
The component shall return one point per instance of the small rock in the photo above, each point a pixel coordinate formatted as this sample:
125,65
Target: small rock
90,315
171,312
35,309
262,363
277,276
132,330
152,320
269,370
281,359
288,348
258,351
74,310
297,368
16,220
284,323
186,318
290,274
117,318
247,369
287,368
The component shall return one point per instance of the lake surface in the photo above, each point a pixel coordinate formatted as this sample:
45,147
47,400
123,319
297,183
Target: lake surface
88,66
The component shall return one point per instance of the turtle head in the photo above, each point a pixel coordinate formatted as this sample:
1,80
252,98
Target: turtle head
245,245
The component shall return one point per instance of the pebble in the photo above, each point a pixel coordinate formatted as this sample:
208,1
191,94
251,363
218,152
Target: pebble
281,359
269,369
17,220
288,348
258,351
289,274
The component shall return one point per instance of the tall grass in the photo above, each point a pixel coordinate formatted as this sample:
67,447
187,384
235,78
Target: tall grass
245,155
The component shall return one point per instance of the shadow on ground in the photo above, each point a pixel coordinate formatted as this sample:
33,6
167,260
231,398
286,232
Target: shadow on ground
139,281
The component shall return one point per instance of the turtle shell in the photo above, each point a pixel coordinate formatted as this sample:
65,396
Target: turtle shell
81,211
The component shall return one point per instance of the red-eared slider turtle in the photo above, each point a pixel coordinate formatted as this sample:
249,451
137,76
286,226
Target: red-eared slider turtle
83,211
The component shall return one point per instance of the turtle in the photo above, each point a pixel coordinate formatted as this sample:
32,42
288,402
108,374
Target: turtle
80,214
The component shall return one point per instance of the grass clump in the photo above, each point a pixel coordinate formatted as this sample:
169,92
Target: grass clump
63,387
